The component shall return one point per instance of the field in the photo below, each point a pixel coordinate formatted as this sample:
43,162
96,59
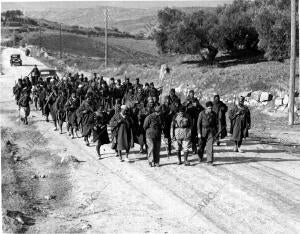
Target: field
119,50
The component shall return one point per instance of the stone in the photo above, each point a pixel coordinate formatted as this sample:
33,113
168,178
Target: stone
285,99
256,95
265,96
278,101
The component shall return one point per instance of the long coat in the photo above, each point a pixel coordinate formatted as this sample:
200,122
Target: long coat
122,126
240,122
220,109
100,128
85,112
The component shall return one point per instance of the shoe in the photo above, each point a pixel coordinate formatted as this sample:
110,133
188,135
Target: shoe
157,165
99,156
179,158
235,149
218,143
47,120
210,164
186,162
121,160
240,150
55,129
87,144
150,164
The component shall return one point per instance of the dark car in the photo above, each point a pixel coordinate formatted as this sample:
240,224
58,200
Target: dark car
15,59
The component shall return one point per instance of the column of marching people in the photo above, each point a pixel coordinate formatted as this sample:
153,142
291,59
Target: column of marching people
134,114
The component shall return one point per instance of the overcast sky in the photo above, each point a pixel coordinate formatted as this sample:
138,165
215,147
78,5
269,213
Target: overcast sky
37,5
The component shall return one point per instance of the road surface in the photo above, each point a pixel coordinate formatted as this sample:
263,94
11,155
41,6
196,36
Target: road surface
252,192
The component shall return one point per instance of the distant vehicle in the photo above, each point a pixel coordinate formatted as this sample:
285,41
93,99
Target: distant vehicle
15,59
48,74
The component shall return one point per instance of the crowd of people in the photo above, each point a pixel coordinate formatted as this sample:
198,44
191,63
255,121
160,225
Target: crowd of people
135,115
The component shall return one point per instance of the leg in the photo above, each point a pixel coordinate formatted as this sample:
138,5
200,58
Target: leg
156,151
179,147
120,155
202,144
98,149
150,151
239,143
186,145
209,149
169,146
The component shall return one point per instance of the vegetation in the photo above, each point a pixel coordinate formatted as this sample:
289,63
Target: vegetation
242,25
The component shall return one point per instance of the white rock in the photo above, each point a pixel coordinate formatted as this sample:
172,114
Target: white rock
278,101
285,99
265,96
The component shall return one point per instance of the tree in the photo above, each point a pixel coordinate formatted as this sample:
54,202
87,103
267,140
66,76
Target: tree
272,22
186,34
236,30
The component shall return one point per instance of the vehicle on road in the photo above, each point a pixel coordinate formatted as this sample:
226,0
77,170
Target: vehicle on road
15,59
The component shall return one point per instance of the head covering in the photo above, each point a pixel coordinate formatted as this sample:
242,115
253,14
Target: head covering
123,107
209,104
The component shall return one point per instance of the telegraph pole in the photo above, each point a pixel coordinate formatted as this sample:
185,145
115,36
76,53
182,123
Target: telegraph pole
40,37
292,63
60,44
106,23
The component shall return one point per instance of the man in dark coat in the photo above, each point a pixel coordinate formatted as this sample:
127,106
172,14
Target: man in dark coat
71,106
240,123
173,97
137,85
193,108
220,109
60,108
207,128
85,112
166,117
35,74
17,90
152,126
122,124
100,134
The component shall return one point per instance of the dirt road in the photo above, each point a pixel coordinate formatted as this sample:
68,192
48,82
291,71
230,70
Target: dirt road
252,192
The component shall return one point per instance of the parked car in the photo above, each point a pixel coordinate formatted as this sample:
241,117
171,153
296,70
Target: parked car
15,59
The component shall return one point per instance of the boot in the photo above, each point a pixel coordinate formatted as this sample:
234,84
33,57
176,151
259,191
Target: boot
179,157
186,162
200,156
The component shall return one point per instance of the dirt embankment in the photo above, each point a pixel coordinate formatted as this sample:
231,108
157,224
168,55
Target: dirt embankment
34,182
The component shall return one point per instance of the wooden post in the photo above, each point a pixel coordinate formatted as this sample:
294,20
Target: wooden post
60,43
292,63
106,13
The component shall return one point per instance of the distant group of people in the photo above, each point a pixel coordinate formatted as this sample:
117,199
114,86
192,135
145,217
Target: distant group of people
135,115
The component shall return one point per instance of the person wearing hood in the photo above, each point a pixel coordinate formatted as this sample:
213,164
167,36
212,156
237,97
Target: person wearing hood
240,119
220,109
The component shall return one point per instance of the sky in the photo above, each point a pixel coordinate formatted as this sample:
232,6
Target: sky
43,4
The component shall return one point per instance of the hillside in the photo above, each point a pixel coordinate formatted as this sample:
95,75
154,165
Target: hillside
131,20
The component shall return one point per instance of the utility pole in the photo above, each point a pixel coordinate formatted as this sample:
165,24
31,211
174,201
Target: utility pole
106,23
40,37
60,44
292,63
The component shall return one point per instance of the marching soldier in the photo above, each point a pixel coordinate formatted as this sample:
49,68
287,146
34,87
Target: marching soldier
207,130
24,104
193,108
220,109
240,123
181,132
71,106
152,126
